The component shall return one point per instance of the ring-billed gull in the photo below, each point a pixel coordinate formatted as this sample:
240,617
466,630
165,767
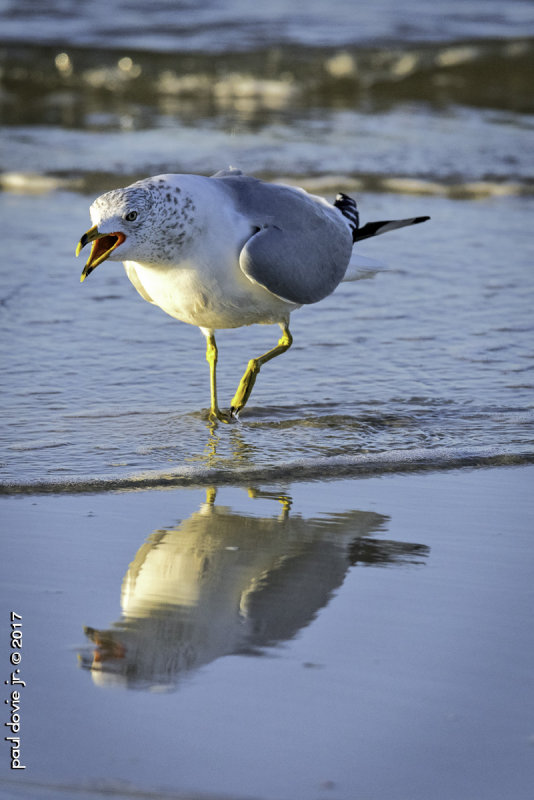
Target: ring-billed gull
226,251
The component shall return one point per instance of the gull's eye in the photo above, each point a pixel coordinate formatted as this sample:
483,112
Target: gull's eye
131,216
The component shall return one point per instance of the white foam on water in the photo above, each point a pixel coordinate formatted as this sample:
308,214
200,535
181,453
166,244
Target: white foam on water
357,465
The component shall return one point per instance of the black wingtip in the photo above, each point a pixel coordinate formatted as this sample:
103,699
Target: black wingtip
383,226
348,207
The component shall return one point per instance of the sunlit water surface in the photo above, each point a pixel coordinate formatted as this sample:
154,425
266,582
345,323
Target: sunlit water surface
436,352
401,109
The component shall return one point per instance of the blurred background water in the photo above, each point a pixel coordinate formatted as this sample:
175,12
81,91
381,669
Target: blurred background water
414,108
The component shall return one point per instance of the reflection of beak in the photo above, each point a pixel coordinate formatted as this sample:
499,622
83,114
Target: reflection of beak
103,246
107,647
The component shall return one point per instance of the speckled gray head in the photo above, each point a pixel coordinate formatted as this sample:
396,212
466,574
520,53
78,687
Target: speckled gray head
124,221
131,204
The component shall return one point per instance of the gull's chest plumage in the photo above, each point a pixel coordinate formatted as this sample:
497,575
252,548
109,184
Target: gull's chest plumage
214,296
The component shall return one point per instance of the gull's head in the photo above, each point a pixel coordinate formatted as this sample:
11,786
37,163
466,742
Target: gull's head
142,222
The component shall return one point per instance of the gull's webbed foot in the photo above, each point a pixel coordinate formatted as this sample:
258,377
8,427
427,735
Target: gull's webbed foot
216,415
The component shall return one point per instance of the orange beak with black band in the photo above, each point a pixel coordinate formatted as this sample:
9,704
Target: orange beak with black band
103,245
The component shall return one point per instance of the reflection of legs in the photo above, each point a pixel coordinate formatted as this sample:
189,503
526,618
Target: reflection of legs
249,378
284,499
211,494
211,358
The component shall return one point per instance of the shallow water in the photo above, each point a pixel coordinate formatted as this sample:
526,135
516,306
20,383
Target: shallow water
436,352
405,112
355,638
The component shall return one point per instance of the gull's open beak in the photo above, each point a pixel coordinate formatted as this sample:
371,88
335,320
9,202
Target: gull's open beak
103,246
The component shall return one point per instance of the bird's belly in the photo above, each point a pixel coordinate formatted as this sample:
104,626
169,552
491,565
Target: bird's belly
210,302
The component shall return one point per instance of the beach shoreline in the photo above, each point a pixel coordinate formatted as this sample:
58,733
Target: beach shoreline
299,469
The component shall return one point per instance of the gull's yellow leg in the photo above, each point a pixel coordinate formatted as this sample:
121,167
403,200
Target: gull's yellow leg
249,378
211,358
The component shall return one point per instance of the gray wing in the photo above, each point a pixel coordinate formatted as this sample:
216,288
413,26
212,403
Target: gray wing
300,249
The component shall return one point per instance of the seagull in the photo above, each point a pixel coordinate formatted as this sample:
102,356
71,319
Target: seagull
226,251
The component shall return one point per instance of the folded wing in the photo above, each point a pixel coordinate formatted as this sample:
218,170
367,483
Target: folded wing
300,247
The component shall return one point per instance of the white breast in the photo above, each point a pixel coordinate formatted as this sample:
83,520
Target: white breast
223,298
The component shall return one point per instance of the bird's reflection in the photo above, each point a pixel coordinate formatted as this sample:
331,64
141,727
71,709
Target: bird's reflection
224,582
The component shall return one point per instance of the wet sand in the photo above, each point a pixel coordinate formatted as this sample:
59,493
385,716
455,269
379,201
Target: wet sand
365,637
